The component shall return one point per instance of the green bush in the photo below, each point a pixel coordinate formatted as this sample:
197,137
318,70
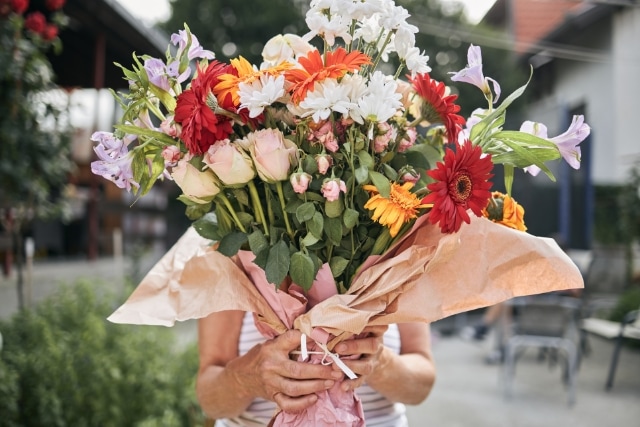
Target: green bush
64,364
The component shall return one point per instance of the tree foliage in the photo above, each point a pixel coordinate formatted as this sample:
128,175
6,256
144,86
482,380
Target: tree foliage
35,155
236,28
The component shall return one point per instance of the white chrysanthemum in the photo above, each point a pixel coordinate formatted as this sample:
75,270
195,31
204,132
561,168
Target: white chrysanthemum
416,62
369,30
326,97
357,10
329,28
257,95
380,102
357,85
395,17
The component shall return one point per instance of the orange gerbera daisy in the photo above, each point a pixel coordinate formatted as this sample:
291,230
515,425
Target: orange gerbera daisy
462,182
393,212
436,107
503,209
335,65
243,72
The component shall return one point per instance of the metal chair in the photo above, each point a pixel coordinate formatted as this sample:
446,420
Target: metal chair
548,323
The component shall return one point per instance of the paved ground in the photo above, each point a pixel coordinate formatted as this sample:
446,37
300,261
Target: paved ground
468,391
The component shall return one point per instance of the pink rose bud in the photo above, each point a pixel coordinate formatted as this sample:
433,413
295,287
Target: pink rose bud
381,142
199,187
300,182
409,140
410,177
171,154
324,162
170,127
331,189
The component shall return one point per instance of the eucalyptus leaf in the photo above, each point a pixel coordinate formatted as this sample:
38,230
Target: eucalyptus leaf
362,174
350,218
316,224
338,265
257,242
334,208
305,211
333,229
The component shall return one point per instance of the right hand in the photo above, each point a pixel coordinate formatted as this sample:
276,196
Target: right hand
270,373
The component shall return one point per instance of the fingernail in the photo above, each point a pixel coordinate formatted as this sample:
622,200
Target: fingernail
329,383
340,348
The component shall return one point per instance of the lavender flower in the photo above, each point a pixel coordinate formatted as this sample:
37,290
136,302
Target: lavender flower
115,162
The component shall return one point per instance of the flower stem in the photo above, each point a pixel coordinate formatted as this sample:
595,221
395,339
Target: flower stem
232,211
282,205
257,206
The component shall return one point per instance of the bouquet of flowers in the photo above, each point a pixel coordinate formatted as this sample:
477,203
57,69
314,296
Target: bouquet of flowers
344,171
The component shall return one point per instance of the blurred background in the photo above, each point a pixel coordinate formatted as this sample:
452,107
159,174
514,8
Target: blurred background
73,245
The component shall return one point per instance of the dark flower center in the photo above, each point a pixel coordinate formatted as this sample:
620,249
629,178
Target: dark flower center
460,187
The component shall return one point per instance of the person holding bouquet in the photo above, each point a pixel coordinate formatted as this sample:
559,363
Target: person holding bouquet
243,378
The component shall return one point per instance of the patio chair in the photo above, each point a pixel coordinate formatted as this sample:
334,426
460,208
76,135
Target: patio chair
629,328
549,324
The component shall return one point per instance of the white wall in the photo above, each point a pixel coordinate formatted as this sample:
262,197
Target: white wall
610,90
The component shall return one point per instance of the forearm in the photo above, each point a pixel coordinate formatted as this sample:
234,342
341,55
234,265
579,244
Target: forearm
221,393
406,378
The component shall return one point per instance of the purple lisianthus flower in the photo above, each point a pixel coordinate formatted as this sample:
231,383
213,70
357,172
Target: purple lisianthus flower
567,142
158,73
115,162
195,50
473,74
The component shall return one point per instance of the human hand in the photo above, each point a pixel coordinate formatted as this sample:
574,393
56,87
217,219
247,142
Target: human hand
291,384
362,355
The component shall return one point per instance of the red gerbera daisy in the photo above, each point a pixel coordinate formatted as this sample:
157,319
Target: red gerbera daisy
201,127
438,108
462,182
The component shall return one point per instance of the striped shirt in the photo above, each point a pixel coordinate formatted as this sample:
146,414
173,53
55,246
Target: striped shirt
378,410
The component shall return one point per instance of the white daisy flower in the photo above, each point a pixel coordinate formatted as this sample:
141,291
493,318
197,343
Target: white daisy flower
257,95
327,96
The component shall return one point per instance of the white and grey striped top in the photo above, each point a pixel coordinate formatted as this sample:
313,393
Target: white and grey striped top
378,410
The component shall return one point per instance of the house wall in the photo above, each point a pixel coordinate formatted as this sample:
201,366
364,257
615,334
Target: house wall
609,89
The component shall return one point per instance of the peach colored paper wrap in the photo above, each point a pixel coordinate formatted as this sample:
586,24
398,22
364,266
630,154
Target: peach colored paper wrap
425,277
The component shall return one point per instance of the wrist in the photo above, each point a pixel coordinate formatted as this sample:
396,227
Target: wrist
382,368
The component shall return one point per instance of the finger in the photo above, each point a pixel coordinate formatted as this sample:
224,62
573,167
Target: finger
351,384
305,371
368,345
293,388
294,404
377,330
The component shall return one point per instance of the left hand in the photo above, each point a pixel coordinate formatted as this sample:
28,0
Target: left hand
362,355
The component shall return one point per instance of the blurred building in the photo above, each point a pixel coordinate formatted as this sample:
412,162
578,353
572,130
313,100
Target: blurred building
100,34
585,61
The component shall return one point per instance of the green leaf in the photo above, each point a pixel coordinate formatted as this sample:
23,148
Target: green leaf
366,160
333,209
333,229
309,240
159,136
337,265
257,242
423,156
508,178
362,174
350,218
231,243
302,270
207,226
316,225
278,263
390,172
305,211
381,182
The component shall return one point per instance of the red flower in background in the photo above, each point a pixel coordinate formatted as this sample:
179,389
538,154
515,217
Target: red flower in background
36,22
55,4
201,127
462,182
19,6
50,32
437,107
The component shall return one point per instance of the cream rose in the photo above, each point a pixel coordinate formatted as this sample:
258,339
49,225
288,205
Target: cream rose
231,164
198,186
273,155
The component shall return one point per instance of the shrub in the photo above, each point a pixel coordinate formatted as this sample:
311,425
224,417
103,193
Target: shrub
64,364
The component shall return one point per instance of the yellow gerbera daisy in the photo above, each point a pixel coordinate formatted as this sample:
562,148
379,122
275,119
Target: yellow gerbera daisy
393,212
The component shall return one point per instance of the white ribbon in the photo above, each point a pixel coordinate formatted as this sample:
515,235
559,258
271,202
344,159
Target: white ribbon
304,353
